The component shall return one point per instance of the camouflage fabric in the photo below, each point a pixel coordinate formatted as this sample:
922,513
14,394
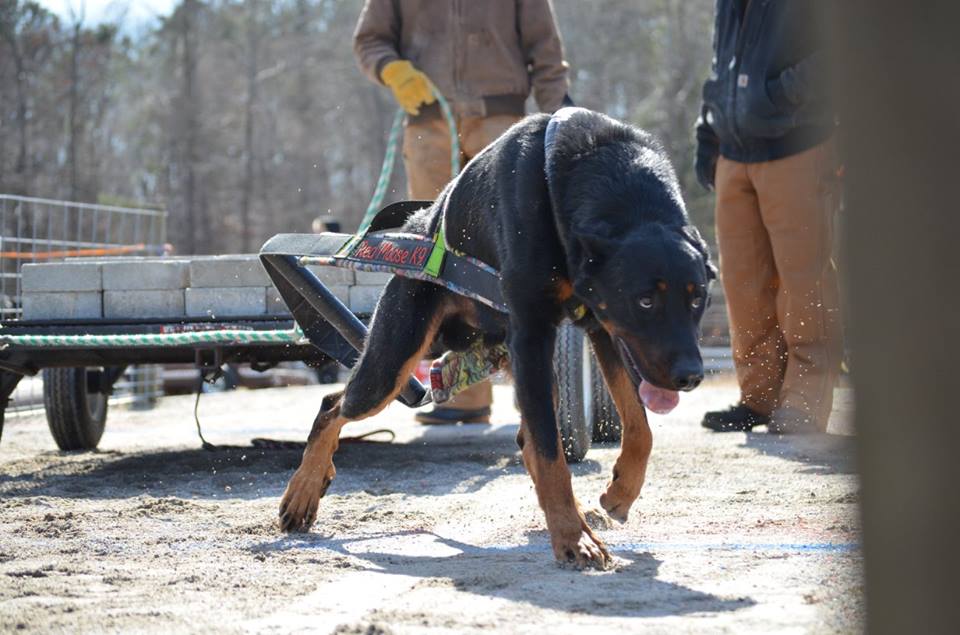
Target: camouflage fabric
455,371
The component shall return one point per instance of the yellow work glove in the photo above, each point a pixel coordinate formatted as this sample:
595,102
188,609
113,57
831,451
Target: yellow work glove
410,87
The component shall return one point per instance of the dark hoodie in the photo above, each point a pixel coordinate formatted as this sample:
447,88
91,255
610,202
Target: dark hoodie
766,97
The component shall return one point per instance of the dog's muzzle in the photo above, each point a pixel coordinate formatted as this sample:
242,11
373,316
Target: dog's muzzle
654,398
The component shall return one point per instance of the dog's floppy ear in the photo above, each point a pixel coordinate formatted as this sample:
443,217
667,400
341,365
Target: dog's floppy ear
693,237
591,249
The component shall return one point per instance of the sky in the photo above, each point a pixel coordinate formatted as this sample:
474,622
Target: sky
97,11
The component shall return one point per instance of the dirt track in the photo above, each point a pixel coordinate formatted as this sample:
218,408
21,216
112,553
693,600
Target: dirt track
437,532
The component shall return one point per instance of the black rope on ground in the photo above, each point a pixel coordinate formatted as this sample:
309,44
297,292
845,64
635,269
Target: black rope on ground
260,443
206,445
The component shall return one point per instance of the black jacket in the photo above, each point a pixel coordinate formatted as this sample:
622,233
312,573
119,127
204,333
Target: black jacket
766,97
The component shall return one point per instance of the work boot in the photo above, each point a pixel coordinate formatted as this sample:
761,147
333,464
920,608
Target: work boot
468,406
786,420
736,418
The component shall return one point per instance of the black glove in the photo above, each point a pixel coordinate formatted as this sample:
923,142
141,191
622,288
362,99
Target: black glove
706,165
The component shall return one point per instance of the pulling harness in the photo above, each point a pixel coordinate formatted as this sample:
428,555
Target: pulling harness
380,246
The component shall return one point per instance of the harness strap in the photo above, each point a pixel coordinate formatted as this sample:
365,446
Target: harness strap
574,308
550,139
439,252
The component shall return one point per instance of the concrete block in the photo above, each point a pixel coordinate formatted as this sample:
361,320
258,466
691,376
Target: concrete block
64,305
226,301
373,277
364,299
275,304
146,274
227,271
333,275
61,276
151,303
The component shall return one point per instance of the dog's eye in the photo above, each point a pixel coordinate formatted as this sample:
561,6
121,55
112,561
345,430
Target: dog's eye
696,302
646,303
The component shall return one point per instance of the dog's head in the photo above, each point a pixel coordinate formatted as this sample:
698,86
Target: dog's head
632,255
649,289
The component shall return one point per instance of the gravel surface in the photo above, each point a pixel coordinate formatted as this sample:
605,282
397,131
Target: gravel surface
436,532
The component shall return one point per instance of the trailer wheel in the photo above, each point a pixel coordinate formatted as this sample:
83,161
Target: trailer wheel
75,416
606,420
571,368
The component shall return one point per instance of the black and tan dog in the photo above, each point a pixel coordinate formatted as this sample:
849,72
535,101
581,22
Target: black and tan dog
572,209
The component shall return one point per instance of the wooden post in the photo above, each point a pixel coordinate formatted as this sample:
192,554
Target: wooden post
898,72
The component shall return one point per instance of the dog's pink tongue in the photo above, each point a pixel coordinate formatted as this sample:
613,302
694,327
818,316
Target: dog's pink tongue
659,400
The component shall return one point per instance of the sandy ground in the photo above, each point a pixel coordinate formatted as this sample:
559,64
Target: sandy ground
436,532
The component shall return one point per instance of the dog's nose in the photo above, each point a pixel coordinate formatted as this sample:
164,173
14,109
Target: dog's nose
687,382
687,378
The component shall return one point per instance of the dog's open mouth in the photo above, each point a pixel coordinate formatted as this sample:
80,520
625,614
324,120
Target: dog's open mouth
658,400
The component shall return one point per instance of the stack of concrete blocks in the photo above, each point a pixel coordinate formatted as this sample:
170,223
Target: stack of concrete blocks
198,286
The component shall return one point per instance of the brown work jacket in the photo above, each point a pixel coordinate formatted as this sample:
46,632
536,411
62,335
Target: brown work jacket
482,55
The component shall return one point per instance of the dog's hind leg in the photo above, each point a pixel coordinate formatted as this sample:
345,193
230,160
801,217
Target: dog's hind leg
403,326
572,539
636,439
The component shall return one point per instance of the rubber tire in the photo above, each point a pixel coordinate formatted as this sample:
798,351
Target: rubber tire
571,368
606,419
76,418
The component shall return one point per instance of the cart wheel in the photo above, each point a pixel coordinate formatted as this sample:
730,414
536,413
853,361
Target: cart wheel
76,417
606,420
571,367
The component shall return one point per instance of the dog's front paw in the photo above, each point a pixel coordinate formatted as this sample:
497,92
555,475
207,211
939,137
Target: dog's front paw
585,551
617,500
298,508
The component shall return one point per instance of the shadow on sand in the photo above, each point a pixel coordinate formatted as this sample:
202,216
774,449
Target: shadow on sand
820,454
442,462
522,573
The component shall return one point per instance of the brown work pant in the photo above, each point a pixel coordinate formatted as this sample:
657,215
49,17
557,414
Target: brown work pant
426,157
775,233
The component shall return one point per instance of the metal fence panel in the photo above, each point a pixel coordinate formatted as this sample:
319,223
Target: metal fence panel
45,230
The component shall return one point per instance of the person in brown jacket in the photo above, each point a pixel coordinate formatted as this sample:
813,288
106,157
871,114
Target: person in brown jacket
485,58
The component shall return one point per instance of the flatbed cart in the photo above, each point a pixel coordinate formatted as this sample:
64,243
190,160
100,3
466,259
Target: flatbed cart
81,360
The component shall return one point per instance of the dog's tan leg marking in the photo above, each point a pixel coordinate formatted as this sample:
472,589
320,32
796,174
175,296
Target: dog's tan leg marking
298,507
573,541
636,440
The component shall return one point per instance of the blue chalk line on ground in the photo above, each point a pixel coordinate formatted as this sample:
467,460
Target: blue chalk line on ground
752,547
803,547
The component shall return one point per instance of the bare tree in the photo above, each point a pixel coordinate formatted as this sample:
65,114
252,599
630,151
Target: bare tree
27,30
251,117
